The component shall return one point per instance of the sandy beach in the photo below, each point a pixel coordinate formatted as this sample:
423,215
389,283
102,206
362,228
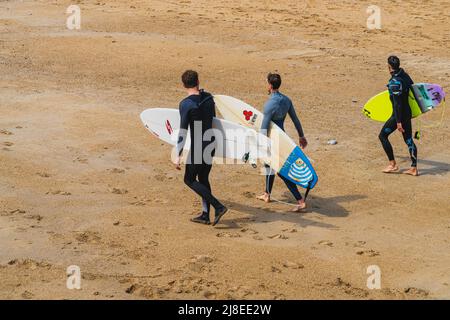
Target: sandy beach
83,183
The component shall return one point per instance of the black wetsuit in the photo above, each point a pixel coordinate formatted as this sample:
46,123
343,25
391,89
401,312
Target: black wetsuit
197,113
399,86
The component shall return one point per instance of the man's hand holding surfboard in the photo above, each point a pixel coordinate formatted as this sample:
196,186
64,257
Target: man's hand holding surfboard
303,142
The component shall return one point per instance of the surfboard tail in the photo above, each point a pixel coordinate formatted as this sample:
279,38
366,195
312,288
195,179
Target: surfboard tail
299,170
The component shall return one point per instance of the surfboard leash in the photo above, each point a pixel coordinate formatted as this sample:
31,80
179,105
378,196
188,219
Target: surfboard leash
418,133
308,189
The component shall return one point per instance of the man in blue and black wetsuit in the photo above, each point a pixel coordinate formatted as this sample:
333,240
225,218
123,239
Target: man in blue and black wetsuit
399,86
196,113
276,109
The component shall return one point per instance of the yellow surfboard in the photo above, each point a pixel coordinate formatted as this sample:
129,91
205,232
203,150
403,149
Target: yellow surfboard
379,107
423,97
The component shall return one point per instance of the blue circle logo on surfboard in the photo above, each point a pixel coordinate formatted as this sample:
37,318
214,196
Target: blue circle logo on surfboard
300,172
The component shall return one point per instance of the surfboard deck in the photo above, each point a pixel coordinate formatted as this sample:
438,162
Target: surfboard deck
422,98
233,141
285,157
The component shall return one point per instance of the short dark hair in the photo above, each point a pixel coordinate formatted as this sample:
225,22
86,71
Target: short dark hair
394,62
190,79
275,80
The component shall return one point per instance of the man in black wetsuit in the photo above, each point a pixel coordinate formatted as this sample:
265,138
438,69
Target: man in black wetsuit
196,113
399,86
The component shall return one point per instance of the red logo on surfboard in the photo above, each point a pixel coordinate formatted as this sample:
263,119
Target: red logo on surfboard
248,115
169,127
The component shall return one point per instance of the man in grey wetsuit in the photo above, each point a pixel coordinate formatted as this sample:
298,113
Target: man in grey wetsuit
276,109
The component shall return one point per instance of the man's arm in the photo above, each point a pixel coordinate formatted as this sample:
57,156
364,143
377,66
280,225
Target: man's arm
186,113
269,109
302,141
296,121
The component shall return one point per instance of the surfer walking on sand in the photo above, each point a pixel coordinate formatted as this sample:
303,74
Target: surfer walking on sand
399,86
276,109
197,111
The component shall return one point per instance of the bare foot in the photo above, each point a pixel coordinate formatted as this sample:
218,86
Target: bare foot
391,168
412,172
264,197
300,207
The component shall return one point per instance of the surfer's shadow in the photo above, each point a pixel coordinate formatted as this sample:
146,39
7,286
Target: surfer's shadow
330,207
431,168
266,215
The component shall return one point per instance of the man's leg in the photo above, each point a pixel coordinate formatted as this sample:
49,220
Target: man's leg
269,179
294,190
205,193
389,127
190,176
203,178
201,189
407,136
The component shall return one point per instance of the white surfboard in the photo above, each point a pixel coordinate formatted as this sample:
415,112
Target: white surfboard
285,156
233,141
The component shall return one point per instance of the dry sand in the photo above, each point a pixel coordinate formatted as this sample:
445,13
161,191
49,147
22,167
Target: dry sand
83,183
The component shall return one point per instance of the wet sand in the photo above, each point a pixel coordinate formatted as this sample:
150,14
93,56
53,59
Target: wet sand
83,183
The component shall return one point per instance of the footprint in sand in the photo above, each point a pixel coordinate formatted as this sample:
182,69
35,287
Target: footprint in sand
118,191
116,170
293,265
359,244
17,211
368,253
151,243
88,237
81,160
275,270
59,192
208,294
33,217
11,212
202,258
132,289
326,243
160,177
43,174
27,295
278,236
140,202
348,288
249,195
416,292
228,235
249,231
6,132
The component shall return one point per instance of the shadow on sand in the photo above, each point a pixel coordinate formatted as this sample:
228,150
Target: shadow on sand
330,207
431,167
